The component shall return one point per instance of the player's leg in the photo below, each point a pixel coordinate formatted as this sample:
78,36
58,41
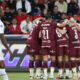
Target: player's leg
60,62
67,66
45,60
31,66
31,62
38,67
3,73
66,58
52,66
78,62
73,62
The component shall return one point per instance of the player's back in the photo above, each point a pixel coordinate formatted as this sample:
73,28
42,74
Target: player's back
62,39
48,33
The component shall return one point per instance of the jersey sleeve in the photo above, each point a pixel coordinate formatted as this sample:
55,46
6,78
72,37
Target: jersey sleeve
1,28
55,25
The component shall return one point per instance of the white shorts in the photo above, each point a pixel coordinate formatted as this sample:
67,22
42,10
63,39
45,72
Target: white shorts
1,57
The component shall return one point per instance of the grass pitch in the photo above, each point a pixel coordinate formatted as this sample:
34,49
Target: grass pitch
25,76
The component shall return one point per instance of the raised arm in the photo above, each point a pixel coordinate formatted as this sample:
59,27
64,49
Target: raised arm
77,27
63,31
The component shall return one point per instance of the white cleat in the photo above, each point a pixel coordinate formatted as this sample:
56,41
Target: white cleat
37,77
79,75
45,77
31,77
41,77
70,75
51,77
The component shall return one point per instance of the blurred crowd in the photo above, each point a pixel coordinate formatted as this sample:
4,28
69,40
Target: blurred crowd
19,14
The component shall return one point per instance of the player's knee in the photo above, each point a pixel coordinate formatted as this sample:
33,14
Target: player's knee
60,58
31,58
73,58
45,58
37,57
53,58
66,58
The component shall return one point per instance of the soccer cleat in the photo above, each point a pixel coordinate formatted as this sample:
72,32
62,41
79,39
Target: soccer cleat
41,77
75,77
45,77
60,77
31,77
51,77
67,77
37,77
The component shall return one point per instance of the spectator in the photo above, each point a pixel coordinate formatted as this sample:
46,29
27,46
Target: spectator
14,28
6,31
72,7
51,5
24,5
44,13
8,16
75,18
3,4
11,4
45,5
36,8
63,17
56,15
26,25
62,6
19,16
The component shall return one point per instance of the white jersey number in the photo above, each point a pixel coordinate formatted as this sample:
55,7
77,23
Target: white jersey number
45,34
76,35
59,34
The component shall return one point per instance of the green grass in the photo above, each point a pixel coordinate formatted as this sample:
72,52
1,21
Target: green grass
25,76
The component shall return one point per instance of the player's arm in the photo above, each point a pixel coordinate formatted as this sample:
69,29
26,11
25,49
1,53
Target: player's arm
63,31
5,43
63,24
40,34
77,27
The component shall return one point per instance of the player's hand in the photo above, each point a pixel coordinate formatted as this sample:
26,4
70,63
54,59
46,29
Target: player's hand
10,54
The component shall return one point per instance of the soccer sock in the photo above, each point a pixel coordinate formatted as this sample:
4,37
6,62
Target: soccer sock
45,68
74,68
67,68
78,63
70,73
60,66
31,68
60,72
3,74
38,68
52,68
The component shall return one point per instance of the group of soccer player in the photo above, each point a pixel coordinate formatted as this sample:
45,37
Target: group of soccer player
60,41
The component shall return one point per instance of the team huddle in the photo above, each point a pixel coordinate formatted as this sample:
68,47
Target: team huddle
61,42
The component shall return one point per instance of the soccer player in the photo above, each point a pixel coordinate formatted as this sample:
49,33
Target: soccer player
74,47
62,44
33,48
3,73
48,47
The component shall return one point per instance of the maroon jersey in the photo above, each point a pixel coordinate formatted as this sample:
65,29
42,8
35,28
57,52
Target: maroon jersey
73,36
48,33
62,39
70,33
33,39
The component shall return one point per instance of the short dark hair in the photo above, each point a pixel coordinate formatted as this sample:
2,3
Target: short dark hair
48,17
